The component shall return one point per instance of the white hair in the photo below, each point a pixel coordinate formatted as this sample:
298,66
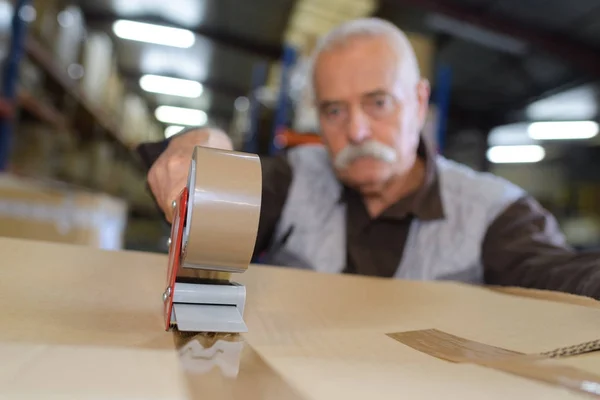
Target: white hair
361,28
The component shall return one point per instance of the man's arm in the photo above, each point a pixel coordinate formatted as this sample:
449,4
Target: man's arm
150,151
525,247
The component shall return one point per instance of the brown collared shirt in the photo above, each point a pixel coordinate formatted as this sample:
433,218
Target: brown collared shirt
522,247
375,245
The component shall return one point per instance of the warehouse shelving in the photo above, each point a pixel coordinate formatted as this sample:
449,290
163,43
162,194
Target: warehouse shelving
41,110
38,54
59,103
6,109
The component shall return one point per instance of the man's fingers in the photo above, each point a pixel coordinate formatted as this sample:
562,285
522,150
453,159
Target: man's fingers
157,177
170,214
153,184
169,175
167,178
177,167
175,190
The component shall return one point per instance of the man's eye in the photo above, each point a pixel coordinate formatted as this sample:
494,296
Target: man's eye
381,102
332,112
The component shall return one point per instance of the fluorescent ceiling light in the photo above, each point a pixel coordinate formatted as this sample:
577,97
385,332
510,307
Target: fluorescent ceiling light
181,116
195,11
155,34
172,130
6,13
171,86
576,104
510,135
515,154
562,130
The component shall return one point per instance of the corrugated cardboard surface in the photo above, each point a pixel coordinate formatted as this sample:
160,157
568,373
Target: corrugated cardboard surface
86,324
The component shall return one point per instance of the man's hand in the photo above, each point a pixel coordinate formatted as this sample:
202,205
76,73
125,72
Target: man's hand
168,175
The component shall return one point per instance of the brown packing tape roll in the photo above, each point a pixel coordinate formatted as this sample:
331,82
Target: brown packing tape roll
223,210
532,366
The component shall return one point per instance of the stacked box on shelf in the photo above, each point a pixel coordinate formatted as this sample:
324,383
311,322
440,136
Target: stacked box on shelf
45,25
90,164
114,183
114,94
50,211
130,184
136,119
137,191
77,166
155,132
102,164
40,149
97,64
44,30
70,36
59,26
31,78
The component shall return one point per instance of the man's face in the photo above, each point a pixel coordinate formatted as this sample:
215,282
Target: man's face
370,116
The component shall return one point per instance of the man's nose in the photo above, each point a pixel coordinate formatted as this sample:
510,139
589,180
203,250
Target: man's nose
358,129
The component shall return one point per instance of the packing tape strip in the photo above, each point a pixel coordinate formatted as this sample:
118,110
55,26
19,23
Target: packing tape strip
452,348
225,189
460,350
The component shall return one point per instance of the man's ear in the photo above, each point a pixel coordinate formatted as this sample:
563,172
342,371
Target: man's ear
423,93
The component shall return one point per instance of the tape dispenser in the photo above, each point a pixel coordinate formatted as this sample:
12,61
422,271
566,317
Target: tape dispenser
212,236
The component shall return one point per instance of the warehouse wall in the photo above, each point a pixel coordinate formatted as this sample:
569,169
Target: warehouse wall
545,181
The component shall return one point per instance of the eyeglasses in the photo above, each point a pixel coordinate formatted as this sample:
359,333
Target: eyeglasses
377,105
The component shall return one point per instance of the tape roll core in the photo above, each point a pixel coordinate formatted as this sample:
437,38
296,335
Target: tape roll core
225,189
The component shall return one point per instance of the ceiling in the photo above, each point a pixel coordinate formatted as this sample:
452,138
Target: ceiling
503,54
507,53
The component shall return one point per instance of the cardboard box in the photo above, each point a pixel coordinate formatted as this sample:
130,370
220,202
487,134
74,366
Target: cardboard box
311,335
40,149
114,94
155,131
42,210
136,118
70,35
45,26
102,154
97,64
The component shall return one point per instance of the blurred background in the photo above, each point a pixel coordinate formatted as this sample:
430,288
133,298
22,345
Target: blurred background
515,91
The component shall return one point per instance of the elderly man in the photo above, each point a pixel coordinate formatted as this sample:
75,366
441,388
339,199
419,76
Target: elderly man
375,200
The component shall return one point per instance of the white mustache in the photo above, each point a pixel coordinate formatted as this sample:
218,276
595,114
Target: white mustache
367,149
